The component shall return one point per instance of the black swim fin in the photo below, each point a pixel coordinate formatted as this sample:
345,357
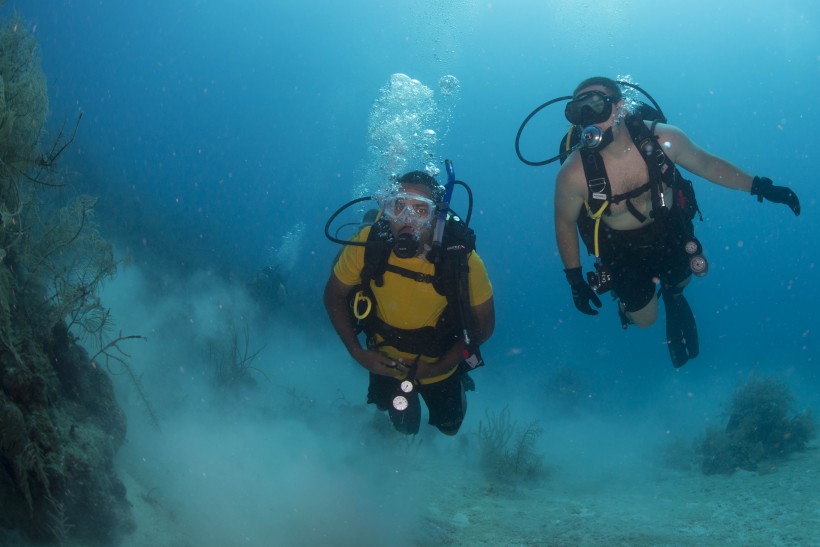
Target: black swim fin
467,382
681,330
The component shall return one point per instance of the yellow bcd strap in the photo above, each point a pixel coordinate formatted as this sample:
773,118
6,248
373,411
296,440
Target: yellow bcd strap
597,216
368,305
568,140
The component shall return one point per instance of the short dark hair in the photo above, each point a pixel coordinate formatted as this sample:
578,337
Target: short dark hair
612,87
424,179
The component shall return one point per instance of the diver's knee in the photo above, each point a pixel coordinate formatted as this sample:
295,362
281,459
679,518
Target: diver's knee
450,427
640,321
449,430
646,316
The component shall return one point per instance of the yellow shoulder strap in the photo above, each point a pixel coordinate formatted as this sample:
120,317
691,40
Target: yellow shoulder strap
597,217
568,141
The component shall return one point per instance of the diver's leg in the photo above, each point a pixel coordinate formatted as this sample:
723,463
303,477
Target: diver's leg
645,316
447,403
638,299
633,276
681,329
382,392
408,419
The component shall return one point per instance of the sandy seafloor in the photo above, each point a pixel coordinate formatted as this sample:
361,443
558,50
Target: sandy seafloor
778,506
276,467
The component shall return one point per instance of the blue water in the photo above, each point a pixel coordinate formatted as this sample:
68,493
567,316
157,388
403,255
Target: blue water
212,129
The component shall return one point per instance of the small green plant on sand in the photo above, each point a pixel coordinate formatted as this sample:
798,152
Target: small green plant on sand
508,451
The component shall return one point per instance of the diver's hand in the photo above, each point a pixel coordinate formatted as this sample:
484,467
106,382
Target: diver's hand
381,364
582,293
764,188
436,368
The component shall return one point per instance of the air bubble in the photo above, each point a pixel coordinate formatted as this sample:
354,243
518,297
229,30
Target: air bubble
449,85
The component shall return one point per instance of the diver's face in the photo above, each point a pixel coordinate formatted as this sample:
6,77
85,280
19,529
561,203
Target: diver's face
412,211
592,105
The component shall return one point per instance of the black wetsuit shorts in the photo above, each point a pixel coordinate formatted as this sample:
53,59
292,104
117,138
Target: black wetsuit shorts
638,259
445,402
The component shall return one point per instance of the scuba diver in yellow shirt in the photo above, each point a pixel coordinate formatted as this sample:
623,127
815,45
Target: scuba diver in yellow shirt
414,284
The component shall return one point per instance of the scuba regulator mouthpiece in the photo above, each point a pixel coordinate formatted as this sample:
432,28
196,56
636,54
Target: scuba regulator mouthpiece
406,245
591,136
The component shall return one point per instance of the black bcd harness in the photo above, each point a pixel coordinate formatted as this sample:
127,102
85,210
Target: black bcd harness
662,174
450,279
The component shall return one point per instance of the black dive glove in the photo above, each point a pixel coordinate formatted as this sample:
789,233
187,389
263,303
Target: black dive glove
764,188
582,293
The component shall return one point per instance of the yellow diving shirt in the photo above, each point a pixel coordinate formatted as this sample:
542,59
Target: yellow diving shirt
405,303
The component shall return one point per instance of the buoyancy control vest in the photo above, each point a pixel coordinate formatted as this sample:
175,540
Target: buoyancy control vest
662,174
450,279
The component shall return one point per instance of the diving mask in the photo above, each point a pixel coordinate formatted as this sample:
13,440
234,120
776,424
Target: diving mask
589,108
410,209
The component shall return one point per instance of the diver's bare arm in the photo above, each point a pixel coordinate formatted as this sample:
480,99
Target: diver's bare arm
484,315
335,299
684,152
568,204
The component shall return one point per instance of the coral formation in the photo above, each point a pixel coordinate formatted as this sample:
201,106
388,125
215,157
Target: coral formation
60,425
762,427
